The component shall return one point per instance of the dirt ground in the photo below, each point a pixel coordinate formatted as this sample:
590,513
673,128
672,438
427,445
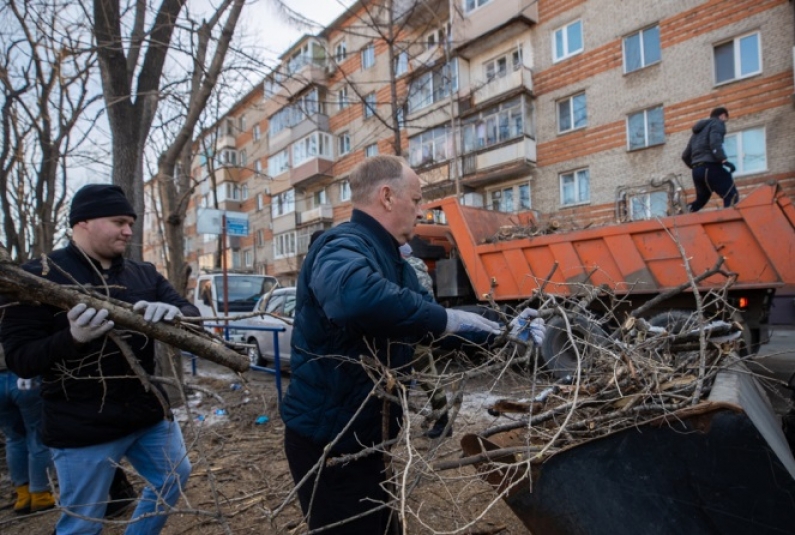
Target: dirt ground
241,483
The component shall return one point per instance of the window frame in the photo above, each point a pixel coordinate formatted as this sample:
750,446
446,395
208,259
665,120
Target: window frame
371,150
476,4
498,195
648,205
340,51
566,52
255,132
368,56
646,130
345,190
342,98
578,195
738,161
369,105
737,57
343,142
570,100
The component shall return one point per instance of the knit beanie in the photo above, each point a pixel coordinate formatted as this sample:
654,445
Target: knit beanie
99,200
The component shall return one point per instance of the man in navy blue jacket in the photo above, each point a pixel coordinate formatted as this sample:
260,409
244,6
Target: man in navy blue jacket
95,410
357,299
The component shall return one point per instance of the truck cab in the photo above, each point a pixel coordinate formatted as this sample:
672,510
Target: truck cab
244,291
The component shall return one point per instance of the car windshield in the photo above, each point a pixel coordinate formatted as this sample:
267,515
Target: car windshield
243,291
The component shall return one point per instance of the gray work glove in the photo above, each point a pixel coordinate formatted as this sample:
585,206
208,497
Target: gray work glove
524,328
461,321
86,324
155,311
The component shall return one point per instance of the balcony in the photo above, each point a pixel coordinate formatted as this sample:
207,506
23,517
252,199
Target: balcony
427,58
503,162
319,214
311,123
520,78
283,87
311,172
496,22
410,14
225,142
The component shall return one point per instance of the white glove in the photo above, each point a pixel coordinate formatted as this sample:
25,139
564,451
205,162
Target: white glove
535,329
86,324
156,311
24,384
461,321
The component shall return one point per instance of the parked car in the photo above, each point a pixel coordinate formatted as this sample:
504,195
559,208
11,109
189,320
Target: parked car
277,310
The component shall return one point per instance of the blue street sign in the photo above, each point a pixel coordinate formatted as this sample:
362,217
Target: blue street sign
236,226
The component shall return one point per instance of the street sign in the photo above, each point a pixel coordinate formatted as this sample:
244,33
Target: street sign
236,226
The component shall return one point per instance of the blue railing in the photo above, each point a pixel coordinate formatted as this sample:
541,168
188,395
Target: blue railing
276,370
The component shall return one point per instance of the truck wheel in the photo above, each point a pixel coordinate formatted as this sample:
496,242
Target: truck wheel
673,321
559,350
255,357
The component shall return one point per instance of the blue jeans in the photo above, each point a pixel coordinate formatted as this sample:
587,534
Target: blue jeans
84,474
20,420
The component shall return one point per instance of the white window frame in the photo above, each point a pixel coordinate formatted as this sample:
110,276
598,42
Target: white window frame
644,61
737,57
575,175
570,102
647,204
248,258
433,86
564,32
255,132
241,122
243,157
646,128
368,56
244,192
343,143
489,126
499,196
369,104
513,62
431,147
473,5
260,202
340,51
371,150
279,163
739,158
342,98
283,203
345,190
402,63
258,166
284,245
315,145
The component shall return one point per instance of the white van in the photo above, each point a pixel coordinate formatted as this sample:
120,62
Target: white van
244,291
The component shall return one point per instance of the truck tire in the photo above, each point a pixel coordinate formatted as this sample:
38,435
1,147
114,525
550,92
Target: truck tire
559,350
255,357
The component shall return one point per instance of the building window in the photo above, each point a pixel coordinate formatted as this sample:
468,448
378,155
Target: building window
260,202
567,41
493,126
305,106
244,192
433,86
345,190
368,56
371,150
279,163
340,52
402,63
258,166
648,205
260,237
645,128
499,67
738,58
230,127
641,49
572,113
284,245
432,146
283,203
256,132
243,158
242,123
575,187
344,143
226,158
342,97
319,198
747,150
248,258
471,5
316,145
511,199
369,105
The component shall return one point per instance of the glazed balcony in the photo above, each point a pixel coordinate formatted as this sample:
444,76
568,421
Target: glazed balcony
519,78
494,23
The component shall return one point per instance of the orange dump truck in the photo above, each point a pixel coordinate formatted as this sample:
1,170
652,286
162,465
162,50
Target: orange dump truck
637,260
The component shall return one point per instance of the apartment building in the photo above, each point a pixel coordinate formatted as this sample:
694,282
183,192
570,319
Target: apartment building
578,108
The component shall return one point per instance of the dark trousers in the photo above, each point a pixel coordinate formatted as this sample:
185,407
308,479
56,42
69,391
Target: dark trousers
341,491
711,177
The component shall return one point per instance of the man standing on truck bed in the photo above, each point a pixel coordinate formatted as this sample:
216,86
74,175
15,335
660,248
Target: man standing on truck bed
357,299
704,154
95,410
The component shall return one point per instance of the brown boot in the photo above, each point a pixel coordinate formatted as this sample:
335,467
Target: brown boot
22,505
41,501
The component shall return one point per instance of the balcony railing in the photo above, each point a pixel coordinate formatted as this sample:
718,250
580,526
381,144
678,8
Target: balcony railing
324,212
522,77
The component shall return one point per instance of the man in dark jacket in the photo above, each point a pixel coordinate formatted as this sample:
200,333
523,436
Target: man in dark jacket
96,410
704,154
359,311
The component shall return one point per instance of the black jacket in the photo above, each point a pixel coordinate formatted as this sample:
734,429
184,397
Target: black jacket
90,394
706,143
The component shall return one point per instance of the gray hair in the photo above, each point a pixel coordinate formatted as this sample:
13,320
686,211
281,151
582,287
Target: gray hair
368,175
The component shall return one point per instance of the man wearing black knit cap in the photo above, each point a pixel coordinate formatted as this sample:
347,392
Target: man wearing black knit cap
96,411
